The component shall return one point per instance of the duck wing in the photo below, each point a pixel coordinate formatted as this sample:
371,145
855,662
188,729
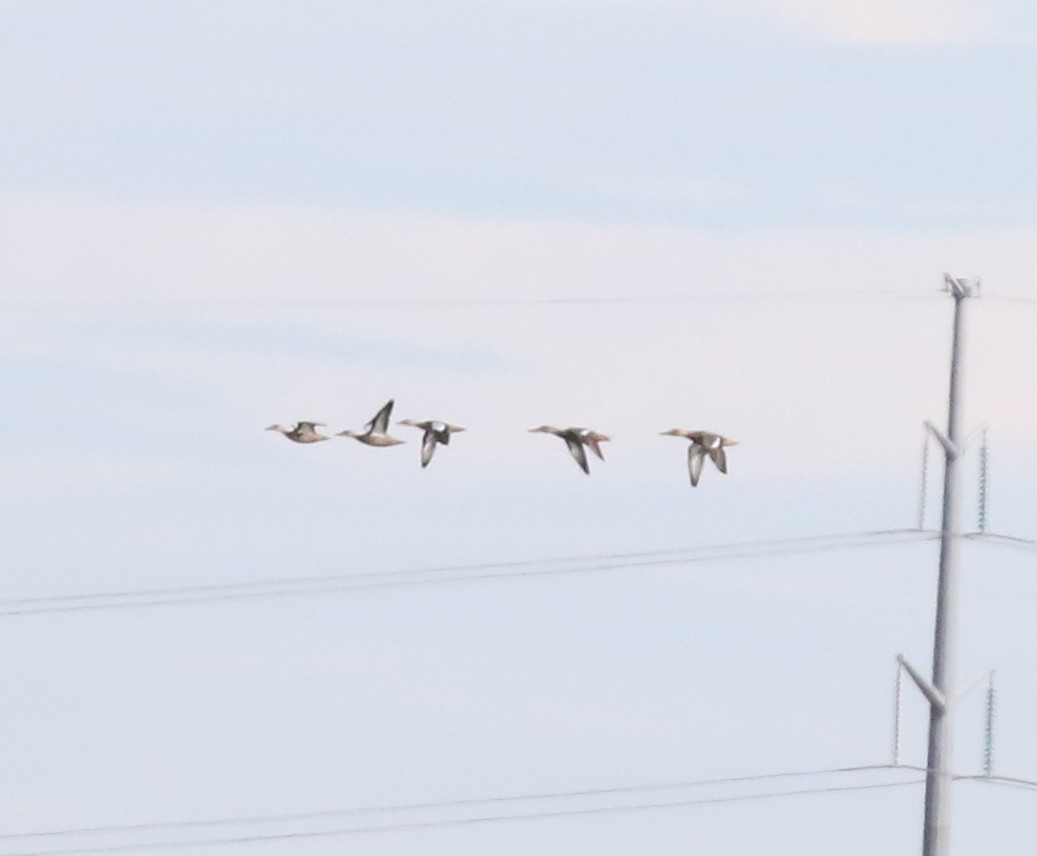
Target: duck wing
380,423
719,457
440,431
696,455
576,450
428,446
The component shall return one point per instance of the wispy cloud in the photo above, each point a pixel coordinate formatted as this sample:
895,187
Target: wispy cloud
876,22
681,191
889,22
824,371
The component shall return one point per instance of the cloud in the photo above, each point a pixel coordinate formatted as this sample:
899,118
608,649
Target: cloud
889,22
680,191
825,382
876,22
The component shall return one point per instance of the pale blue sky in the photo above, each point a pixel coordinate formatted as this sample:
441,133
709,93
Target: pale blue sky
597,111
219,215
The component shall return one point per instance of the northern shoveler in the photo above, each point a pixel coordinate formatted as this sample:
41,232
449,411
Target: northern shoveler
375,432
703,443
575,440
303,432
435,432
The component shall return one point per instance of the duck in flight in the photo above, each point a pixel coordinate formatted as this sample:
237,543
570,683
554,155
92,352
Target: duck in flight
576,439
303,432
375,432
703,443
435,433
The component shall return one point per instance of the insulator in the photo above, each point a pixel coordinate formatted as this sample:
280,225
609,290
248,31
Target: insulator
984,462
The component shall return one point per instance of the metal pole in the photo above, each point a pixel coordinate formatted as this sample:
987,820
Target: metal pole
939,774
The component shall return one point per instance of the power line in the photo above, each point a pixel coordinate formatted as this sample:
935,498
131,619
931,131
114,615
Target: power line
445,804
310,586
1009,298
297,304
762,547
1003,540
319,304
1006,781
514,798
408,826
763,544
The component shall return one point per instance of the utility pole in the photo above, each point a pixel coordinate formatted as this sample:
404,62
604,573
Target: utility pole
940,692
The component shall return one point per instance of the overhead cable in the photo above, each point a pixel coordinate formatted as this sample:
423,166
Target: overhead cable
322,304
309,586
446,804
409,826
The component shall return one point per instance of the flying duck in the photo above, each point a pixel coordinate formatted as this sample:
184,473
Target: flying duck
303,432
575,440
703,443
375,431
435,432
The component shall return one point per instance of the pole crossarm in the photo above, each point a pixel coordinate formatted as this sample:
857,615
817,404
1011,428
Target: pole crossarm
960,286
933,695
951,449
